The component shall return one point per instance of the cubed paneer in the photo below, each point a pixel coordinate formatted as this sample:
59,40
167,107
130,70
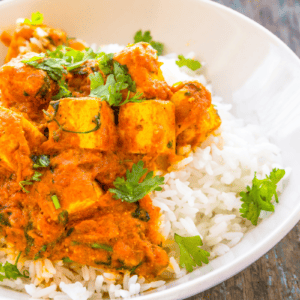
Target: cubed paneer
144,68
25,88
198,133
195,115
18,137
76,195
86,123
147,127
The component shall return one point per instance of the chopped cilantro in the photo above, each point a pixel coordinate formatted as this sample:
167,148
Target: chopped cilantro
190,253
36,177
111,91
146,37
141,214
79,57
190,63
41,161
36,19
63,217
135,267
131,189
55,201
53,66
11,271
4,220
260,195
96,80
102,246
105,62
63,91
170,144
67,260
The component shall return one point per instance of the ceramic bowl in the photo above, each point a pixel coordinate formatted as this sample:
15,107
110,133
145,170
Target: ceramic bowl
247,65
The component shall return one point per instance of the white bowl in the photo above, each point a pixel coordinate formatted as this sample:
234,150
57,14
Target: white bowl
248,66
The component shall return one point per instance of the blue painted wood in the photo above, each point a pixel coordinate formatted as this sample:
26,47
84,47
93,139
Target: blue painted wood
276,275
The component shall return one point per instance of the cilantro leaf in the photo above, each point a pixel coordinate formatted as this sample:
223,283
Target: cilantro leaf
11,271
96,80
121,75
159,47
111,91
190,63
41,161
131,190
63,90
105,62
142,37
53,66
260,195
36,177
36,19
79,57
146,37
190,253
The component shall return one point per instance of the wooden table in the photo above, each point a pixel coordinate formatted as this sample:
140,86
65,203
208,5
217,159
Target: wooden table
276,275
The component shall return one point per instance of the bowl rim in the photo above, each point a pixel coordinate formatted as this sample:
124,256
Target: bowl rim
226,271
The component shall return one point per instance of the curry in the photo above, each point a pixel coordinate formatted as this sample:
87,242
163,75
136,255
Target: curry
71,132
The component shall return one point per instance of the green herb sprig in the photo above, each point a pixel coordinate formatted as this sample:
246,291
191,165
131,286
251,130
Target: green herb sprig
190,253
36,19
260,195
36,177
132,190
190,63
11,271
146,37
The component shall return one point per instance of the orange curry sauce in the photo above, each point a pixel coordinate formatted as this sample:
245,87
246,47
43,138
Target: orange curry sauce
89,226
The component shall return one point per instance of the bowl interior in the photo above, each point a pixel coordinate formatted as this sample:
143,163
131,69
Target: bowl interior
248,66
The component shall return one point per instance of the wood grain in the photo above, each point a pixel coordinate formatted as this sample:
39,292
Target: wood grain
276,275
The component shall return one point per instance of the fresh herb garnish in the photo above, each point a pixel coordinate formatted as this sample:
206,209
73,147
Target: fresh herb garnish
131,189
4,220
11,271
38,255
55,201
141,214
63,90
117,80
260,195
146,37
190,63
170,144
29,239
67,260
36,19
102,246
53,66
36,177
41,161
105,62
134,268
63,217
190,253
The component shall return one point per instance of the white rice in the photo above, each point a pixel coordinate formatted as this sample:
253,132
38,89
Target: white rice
200,198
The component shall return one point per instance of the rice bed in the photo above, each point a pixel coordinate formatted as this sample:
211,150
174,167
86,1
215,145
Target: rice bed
200,198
